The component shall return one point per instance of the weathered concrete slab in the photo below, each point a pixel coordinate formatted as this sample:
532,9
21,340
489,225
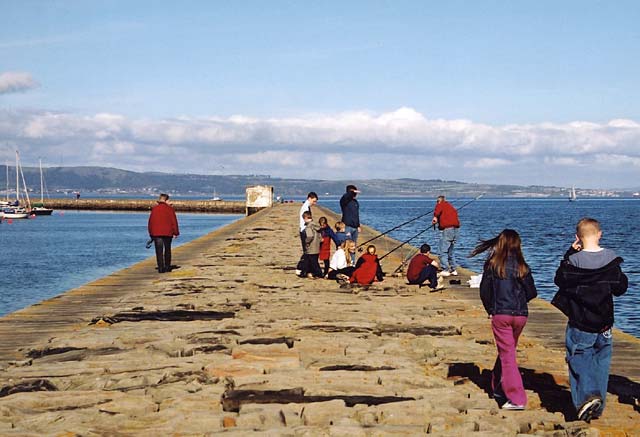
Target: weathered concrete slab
234,342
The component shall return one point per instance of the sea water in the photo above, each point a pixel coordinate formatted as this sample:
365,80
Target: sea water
45,256
546,227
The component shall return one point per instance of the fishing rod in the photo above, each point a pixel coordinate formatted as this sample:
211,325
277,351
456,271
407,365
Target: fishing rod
431,226
412,220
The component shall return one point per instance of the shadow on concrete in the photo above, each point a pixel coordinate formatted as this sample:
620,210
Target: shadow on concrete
628,391
553,397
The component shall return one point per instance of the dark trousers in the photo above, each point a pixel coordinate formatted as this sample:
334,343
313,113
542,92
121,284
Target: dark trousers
311,265
428,273
346,271
163,253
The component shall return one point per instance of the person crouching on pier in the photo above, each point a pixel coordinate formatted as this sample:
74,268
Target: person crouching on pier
506,287
422,268
367,268
163,227
312,240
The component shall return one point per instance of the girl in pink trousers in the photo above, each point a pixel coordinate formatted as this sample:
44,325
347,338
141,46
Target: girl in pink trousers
506,287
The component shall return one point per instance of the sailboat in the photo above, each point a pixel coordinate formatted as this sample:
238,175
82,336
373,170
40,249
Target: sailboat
215,196
15,211
39,208
572,195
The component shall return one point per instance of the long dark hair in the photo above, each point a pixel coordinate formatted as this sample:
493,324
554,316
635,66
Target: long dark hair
506,243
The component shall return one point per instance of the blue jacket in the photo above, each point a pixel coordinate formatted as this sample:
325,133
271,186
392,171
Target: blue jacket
508,296
350,209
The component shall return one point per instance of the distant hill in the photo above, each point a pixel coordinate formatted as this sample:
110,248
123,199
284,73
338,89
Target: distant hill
113,180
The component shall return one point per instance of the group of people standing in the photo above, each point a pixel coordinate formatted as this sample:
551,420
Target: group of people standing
588,278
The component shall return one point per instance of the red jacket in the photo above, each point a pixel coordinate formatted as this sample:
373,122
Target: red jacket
367,270
417,264
447,215
163,221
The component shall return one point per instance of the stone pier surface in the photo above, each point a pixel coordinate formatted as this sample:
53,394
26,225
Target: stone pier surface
234,343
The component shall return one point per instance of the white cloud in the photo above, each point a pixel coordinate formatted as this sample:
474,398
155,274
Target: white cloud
400,143
15,81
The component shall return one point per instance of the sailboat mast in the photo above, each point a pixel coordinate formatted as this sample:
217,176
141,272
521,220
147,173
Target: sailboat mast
6,165
41,184
17,179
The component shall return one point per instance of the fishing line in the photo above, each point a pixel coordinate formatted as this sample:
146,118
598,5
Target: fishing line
412,220
431,226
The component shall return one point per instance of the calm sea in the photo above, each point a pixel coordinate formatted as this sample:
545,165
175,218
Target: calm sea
43,257
546,226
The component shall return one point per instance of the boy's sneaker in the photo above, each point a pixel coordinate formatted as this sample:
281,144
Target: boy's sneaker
587,411
445,273
454,272
298,272
440,285
511,406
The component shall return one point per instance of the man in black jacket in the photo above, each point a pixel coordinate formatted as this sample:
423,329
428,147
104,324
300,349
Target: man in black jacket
588,278
351,213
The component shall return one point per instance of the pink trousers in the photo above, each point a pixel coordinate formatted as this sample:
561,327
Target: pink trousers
506,379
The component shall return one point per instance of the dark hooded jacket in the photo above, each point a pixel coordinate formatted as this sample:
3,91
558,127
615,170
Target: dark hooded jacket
508,295
585,296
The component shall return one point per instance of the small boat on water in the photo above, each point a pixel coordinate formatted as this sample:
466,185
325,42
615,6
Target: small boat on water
39,208
572,195
215,197
14,212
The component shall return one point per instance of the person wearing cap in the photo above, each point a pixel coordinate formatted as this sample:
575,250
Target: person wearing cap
446,216
351,212
163,227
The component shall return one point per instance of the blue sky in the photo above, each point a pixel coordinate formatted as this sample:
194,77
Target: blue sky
533,92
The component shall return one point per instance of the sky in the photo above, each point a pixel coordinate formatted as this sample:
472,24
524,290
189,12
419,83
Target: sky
518,92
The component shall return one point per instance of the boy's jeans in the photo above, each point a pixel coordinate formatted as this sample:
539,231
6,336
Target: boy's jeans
589,357
448,238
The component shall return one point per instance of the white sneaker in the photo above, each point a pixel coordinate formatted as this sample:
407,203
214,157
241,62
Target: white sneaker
587,410
509,406
454,272
298,272
439,285
445,273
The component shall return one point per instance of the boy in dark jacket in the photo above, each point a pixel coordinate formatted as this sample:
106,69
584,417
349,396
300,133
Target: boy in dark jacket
588,278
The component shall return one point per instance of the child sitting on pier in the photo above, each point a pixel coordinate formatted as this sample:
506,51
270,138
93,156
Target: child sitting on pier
312,240
367,268
422,267
341,267
588,278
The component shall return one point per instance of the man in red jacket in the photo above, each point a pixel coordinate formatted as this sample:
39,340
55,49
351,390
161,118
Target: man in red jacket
446,216
163,227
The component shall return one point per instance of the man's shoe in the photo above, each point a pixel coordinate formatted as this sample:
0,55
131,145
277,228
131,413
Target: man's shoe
454,272
445,273
439,285
589,409
511,406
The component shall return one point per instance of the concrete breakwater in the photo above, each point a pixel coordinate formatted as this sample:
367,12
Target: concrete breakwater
208,206
234,342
